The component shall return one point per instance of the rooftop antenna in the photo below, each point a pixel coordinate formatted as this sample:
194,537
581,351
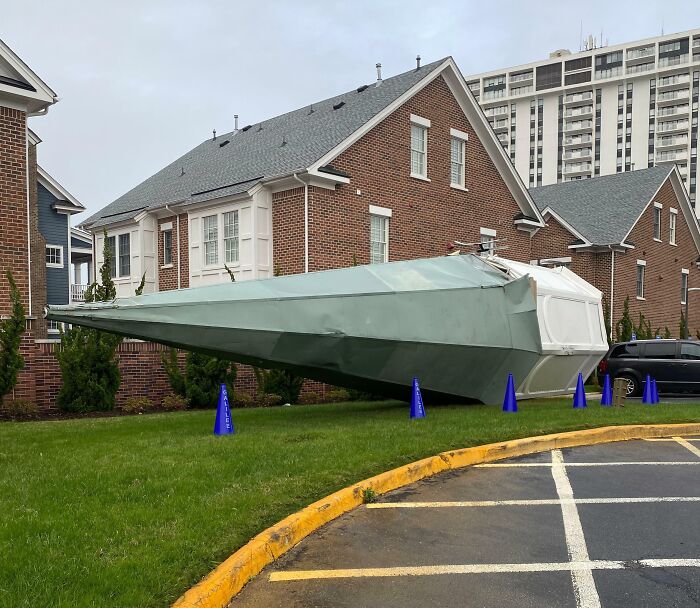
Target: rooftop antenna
418,62
662,27
379,74
235,123
214,133
580,36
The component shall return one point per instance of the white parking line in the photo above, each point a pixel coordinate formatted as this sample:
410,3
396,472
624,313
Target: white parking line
670,439
528,503
496,465
580,566
584,586
687,445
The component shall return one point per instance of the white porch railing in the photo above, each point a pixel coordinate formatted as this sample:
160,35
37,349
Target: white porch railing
77,293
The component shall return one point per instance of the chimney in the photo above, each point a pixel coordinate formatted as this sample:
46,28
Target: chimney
418,62
379,74
235,123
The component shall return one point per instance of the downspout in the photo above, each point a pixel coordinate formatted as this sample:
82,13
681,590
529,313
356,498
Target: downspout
612,287
306,222
177,222
29,220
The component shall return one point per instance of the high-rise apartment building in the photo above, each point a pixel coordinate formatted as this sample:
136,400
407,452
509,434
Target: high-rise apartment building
600,111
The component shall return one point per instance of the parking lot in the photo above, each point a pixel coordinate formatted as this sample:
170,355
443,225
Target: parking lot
607,525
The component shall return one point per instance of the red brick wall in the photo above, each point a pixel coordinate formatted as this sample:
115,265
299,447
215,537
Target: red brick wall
426,215
167,277
663,271
13,205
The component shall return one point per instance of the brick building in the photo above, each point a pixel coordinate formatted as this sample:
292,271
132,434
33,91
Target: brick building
631,235
388,171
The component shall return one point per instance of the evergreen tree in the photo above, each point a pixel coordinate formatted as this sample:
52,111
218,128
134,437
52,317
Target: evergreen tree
624,327
11,330
683,326
86,356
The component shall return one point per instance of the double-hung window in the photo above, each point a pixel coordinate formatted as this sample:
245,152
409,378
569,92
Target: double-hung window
657,222
210,238
672,227
419,146
231,237
379,235
488,242
641,271
124,255
54,256
458,144
112,247
167,247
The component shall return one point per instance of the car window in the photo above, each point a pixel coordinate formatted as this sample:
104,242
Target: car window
660,350
625,351
690,351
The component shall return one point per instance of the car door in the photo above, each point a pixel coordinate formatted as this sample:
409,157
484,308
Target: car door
660,362
689,368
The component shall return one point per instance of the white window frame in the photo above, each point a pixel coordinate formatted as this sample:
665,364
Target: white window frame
462,138
383,215
167,263
672,226
490,235
115,254
684,290
643,265
215,240
657,225
421,125
59,248
235,237
118,256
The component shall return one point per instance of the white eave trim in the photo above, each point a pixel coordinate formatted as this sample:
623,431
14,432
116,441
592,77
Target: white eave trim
43,91
476,117
57,190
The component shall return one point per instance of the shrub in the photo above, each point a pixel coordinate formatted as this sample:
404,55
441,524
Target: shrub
173,403
243,400
19,409
339,394
310,398
137,405
268,400
86,356
203,375
11,330
280,382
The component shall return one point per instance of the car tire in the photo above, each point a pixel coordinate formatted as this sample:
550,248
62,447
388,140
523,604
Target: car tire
634,387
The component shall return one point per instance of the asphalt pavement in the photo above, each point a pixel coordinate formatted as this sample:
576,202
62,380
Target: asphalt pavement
611,525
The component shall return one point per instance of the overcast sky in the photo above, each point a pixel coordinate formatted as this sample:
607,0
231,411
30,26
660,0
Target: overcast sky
142,82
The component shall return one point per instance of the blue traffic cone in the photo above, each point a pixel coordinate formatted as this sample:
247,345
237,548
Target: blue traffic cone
647,396
580,394
606,398
223,424
510,403
654,391
417,409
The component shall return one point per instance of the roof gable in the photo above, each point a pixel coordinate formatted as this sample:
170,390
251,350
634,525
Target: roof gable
306,139
66,201
20,83
602,210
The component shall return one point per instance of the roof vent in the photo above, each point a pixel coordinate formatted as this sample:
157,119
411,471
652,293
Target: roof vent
214,138
223,143
417,62
311,109
339,105
235,123
364,87
259,127
182,171
379,74
284,140
246,127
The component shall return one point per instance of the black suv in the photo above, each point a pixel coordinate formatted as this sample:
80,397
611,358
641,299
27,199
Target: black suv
674,363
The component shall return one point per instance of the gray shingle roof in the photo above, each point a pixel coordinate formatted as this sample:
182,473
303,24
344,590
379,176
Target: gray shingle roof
212,170
603,209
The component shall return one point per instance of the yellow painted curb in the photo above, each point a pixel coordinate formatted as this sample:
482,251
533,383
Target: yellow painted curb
218,588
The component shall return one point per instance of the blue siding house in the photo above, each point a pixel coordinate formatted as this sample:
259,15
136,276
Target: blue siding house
67,249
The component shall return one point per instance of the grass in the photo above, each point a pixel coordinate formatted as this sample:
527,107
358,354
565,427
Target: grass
131,511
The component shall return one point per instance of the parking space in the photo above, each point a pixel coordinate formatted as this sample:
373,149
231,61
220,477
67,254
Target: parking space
607,525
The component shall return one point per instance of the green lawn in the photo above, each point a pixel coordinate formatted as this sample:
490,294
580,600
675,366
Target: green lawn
131,511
